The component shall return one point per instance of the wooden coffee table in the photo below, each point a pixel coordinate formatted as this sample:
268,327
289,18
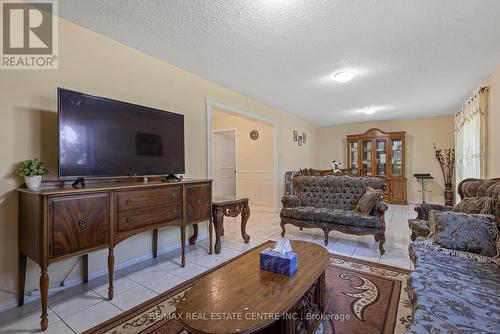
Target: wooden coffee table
241,298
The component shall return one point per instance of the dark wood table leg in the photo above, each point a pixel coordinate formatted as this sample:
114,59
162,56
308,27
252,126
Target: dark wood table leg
44,295
85,268
21,278
222,227
210,232
218,218
154,243
183,246
194,237
245,214
111,268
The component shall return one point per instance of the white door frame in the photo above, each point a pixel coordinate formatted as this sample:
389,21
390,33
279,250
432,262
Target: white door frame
211,103
235,154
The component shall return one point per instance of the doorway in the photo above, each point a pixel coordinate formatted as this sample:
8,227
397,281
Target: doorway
224,159
243,155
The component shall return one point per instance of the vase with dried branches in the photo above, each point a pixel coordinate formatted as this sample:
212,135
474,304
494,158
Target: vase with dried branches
447,162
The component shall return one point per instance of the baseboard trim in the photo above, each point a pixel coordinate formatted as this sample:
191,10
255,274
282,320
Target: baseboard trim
261,207
34,295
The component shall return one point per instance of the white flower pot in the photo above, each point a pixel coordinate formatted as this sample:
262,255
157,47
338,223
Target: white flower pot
33,182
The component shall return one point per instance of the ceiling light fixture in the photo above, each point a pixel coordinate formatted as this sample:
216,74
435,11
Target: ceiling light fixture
344,76
370,110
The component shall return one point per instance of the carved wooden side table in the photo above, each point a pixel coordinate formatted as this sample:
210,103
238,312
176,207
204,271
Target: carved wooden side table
229,207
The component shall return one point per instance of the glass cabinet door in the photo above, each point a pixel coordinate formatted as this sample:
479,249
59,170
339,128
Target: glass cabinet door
397,157
353,157
367,157
381,157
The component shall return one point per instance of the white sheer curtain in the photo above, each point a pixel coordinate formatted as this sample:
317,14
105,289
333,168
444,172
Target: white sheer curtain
470,137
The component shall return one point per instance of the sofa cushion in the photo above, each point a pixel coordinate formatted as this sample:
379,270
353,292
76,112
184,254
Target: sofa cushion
451,294
368,200
464,232
334,216
474,205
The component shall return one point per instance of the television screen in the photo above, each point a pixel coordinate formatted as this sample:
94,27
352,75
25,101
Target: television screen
100,137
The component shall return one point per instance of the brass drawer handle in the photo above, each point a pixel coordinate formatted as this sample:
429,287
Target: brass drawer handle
129,220
83,222
174,195
198,202
174,210
128,201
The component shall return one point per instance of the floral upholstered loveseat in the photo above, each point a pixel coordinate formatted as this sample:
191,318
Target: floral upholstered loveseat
329,202
467,188
456,291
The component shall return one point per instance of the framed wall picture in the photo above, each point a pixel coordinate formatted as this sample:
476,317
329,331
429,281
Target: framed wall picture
300,140
295,135
304,137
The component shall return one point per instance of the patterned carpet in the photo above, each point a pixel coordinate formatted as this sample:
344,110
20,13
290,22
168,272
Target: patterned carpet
364,297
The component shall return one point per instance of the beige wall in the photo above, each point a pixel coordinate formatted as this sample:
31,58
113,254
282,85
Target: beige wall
95,64
254,160
493,140
421,133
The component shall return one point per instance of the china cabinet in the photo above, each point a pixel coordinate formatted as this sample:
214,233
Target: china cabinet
379,153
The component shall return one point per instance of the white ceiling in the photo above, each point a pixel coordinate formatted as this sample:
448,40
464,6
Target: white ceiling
415,58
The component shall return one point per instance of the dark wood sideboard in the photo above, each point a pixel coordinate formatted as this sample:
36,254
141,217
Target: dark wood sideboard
58,221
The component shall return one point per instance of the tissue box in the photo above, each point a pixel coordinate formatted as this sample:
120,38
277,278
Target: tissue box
272,260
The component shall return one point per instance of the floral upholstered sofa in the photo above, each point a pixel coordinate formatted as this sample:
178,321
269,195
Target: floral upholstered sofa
330,203
457,291
453,294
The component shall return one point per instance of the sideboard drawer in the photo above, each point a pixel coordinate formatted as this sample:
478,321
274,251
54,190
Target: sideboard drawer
78,223
198,202
137,199
133,220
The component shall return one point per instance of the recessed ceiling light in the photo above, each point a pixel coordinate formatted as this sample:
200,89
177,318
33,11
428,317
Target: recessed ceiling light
344,76
369,110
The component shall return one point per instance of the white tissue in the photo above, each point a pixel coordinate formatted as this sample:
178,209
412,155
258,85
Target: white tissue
283,246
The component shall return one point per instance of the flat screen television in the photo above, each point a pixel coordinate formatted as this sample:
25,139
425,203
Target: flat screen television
100,137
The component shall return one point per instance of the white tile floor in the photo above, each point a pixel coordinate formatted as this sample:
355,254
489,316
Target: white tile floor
80,308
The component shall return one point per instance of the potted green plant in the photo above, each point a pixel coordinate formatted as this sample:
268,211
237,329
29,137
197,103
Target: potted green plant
33,171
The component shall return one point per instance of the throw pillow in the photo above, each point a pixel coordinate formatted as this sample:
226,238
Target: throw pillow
484,205
475,233
368,200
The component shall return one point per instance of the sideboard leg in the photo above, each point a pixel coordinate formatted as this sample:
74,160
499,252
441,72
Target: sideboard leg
183,245
111,268
194,237
44,293
21,278
85,268
245,214
154,243
210,237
